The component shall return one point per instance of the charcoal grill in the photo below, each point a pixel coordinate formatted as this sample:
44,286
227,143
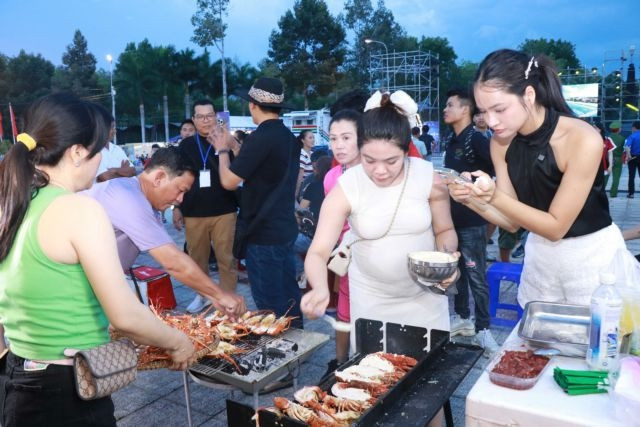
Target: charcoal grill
265,359
415,399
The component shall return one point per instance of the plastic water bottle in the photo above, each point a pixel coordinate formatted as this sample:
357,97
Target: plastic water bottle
606,308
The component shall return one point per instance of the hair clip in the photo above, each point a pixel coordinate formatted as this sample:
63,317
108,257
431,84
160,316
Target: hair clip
532,61
27,140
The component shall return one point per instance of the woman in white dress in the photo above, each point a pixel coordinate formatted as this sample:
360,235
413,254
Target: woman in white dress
368,196
371,196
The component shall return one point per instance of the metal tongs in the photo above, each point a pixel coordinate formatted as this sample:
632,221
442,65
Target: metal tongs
336,324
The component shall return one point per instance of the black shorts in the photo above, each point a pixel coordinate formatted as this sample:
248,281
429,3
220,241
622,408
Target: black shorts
47,398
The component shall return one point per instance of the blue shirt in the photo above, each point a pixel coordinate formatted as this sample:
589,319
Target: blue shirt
633,141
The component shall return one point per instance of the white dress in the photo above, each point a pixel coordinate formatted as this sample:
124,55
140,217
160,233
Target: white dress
379,282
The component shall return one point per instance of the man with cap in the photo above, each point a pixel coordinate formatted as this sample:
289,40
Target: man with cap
268,164
616,170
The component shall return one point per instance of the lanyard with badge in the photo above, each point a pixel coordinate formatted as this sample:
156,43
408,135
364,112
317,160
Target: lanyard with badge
205,174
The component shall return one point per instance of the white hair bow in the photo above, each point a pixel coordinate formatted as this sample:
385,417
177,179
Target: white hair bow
401,100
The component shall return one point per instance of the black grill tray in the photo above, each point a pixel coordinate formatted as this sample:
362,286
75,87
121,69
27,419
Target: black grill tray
415,399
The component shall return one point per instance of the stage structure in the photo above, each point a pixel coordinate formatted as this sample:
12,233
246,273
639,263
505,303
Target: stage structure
612,86
415,72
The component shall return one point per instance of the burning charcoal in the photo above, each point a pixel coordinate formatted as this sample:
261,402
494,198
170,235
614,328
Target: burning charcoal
274,352
245,367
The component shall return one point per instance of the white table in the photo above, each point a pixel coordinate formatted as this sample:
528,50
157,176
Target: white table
543,405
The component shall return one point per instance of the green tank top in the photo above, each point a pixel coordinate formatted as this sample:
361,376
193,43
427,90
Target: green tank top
46,306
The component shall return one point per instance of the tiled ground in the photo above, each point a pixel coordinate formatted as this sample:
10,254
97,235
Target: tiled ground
156,398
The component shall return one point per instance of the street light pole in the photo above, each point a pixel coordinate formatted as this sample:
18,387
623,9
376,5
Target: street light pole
369,41
113,96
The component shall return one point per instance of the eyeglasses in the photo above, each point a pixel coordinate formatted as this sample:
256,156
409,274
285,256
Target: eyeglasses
205,117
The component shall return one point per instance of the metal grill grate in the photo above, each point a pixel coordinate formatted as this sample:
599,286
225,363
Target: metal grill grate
281,355
249,344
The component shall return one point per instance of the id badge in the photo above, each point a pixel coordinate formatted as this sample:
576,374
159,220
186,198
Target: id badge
205,178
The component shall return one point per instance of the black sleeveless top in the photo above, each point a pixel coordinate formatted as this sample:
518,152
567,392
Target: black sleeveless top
535,176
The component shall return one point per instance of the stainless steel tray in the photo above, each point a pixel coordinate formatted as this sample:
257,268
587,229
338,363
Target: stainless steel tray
563,327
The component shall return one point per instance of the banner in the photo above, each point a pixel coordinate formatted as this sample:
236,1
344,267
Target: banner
14,128
582,99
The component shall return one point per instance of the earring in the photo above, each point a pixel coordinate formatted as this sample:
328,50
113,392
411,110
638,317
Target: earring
76,164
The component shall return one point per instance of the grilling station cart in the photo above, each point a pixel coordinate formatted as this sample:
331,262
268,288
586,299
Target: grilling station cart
264,359
415,399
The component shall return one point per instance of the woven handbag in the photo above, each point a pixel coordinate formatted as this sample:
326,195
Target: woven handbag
104,369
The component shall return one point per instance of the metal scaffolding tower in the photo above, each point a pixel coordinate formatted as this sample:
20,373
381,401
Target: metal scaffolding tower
414,72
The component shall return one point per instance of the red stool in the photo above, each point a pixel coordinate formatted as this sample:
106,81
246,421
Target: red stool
158,284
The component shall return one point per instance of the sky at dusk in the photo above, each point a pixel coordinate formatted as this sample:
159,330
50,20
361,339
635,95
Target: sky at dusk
600,30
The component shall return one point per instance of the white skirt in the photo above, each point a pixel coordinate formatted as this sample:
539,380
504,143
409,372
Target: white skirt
567,271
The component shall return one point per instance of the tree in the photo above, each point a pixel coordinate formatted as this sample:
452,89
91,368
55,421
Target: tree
449,73
185,66
446,55
79,66
138,80
210,30
308,48
4,82
561,51
29,77
368,23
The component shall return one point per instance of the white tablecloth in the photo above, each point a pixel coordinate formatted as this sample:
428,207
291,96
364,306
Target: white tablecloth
543,405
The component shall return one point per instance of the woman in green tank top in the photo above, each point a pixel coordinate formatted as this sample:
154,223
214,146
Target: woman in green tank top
60,278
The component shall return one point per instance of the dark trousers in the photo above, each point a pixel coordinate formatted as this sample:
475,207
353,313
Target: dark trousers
472,244
271,270
633,167
47,398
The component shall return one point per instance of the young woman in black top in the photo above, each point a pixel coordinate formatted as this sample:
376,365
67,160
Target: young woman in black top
549,178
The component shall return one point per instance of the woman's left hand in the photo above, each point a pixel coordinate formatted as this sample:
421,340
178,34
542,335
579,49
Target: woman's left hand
454,277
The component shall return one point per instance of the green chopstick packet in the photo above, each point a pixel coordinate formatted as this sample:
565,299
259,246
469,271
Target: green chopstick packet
576,383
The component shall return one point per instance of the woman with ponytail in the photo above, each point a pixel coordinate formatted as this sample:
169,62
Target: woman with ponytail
61,283
549,179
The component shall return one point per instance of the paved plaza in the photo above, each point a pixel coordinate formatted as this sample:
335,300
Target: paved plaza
157,397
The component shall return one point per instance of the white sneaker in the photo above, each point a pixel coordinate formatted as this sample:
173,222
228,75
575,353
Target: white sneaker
460,326
198,304
485,340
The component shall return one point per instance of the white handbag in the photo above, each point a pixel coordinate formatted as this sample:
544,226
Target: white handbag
340,258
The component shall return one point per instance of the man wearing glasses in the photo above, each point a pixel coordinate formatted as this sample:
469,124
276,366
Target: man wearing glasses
208,211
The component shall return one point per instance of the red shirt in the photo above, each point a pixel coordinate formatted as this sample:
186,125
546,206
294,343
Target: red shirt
608,146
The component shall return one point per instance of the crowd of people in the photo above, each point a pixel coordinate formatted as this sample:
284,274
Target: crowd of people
74,216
